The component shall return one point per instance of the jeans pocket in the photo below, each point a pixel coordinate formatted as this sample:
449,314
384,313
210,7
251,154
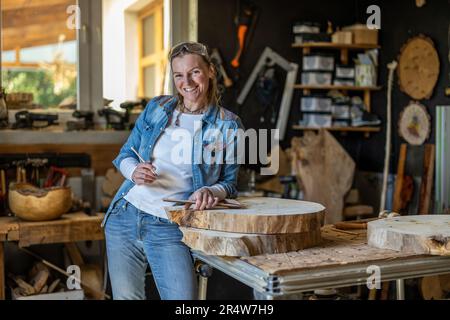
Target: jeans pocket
120,206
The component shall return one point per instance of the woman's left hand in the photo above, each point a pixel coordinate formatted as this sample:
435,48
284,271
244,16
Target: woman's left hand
204,199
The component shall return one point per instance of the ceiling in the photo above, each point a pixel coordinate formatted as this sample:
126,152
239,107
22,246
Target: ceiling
30,23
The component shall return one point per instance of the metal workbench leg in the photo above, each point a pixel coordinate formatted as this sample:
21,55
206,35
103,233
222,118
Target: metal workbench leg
204,272
400,284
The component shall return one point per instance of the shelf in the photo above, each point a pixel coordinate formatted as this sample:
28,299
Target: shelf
334,87
365,130
331,45
344,48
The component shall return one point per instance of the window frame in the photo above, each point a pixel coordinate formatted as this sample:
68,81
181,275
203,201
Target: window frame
158,57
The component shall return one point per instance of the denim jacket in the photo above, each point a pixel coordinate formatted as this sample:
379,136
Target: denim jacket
150,125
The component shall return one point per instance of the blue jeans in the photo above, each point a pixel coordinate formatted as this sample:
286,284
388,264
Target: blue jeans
134,238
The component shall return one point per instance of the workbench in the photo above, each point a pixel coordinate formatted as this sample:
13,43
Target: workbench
341,260
72,227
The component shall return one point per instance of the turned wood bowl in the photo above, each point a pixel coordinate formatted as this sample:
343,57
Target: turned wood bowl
39,204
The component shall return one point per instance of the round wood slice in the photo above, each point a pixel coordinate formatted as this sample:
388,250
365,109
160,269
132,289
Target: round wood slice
424,234
261,215
244,244
414,124
418,68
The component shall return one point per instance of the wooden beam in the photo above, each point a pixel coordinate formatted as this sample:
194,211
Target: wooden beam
36,35
397,205
20,18
22,4
426,184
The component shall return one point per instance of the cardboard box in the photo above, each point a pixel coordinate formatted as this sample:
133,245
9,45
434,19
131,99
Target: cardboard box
362,34
343,37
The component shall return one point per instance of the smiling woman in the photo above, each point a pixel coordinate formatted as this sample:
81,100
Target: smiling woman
137,227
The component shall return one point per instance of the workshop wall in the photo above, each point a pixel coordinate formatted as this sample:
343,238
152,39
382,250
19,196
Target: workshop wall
400,20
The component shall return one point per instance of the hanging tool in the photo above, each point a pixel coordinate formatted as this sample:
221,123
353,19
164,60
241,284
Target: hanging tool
245,20
222,74
36,165
56,177
269,58
21,174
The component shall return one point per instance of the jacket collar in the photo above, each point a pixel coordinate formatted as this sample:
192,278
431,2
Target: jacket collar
209,116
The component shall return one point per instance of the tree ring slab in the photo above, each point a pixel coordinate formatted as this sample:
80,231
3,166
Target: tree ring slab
244,244
420,234
261,215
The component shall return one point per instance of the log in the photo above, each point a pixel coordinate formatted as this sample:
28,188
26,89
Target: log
419,234
244,244
261,215
39,281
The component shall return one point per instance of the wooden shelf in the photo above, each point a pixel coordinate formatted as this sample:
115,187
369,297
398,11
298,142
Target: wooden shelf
344,48
331,45
365,130
334,87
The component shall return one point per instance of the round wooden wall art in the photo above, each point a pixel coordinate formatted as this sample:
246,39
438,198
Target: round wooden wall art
418,67
414,124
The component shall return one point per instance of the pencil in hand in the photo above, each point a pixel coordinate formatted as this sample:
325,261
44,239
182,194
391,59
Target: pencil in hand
143,161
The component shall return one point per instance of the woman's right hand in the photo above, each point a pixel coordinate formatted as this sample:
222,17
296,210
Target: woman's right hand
145,173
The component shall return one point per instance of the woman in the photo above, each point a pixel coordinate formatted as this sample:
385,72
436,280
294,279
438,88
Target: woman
136,225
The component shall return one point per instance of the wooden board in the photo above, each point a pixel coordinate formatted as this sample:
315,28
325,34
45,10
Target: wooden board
421,234
261,215
337,248
324,169
69,228
244,244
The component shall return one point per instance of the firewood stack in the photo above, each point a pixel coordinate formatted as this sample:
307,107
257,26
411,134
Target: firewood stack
38,281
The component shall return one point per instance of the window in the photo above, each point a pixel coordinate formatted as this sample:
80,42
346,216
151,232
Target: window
152,56
39,51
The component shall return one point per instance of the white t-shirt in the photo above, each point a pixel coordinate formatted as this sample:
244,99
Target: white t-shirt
172,157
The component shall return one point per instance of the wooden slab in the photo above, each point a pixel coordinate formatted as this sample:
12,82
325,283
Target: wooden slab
70,227
420,234
337,248
324,169
261,215
244,244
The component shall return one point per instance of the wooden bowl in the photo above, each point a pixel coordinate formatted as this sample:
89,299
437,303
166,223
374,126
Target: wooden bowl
35,204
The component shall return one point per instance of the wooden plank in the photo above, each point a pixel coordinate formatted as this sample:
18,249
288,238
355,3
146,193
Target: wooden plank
36,35
426,184
337,249
71,227
418,234
102,155
23,4
325,170
19,18
397,202
243,244
261,215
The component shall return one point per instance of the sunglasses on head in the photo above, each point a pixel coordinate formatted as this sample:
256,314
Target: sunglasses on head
188,47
